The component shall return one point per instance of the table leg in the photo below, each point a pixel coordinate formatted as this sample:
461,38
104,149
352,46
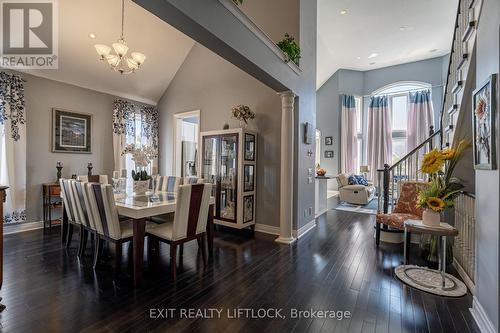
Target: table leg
210,230
138,243
64,225
443,261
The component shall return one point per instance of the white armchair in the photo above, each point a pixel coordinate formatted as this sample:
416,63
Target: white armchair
354,194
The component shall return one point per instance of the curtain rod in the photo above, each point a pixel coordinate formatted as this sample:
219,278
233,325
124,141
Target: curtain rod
398,92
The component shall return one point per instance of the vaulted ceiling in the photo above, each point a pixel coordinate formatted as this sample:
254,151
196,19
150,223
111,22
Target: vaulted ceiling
165,48
390,31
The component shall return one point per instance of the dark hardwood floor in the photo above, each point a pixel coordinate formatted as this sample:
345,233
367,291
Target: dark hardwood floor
334,267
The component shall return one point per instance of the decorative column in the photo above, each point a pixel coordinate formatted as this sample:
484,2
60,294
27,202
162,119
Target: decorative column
286,182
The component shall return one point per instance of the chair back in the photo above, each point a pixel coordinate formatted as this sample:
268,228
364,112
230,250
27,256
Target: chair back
83,214
191,211
101,179
104,212
65,194
168,183
193,180
407,201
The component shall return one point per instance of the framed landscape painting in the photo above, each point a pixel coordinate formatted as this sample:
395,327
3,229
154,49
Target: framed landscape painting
484,106
71,132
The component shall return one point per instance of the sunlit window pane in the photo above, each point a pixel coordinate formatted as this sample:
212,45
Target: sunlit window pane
399,113
398,149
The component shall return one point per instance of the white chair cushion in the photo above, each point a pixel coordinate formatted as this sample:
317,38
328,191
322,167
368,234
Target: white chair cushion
163,218
163,230
127,228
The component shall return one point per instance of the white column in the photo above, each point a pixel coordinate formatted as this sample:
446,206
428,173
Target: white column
286,182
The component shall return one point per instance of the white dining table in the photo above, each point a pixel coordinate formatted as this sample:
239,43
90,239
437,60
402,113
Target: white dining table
139,208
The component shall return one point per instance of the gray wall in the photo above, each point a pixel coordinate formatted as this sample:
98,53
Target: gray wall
41,96
488,182
364,83
211,84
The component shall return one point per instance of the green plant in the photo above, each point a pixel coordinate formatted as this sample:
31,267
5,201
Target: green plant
140,175
291,49
238,2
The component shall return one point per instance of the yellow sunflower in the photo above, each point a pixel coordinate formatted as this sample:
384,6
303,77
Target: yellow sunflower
448,154
436,204
433,161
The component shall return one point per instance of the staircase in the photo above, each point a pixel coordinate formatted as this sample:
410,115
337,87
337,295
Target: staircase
456,124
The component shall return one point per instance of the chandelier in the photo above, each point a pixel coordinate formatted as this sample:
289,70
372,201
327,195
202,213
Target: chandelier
119,60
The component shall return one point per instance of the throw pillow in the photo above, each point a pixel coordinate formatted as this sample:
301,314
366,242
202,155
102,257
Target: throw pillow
352,180
361,180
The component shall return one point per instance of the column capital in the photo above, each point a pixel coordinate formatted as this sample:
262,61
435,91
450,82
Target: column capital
287,99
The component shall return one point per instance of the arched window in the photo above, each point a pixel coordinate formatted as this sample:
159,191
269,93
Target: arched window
398,104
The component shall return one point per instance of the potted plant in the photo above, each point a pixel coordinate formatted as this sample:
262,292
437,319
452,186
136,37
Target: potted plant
243,113
440,195
142,157
290,48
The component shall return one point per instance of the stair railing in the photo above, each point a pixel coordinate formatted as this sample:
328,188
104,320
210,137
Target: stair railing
406,169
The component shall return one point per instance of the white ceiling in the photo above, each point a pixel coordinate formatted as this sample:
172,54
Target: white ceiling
373,26
165,49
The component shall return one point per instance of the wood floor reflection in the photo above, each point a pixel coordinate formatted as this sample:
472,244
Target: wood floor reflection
334,267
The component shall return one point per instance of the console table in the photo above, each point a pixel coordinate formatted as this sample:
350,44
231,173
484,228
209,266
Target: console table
50,191
2,200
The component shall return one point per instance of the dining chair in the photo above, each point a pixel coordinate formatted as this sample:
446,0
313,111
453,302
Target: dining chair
82,215
70,207
168,183
101,179
107,223
188,223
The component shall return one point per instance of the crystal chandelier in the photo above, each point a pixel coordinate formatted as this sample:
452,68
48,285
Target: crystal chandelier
120,61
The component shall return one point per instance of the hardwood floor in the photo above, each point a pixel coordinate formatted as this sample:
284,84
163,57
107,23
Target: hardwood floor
334,267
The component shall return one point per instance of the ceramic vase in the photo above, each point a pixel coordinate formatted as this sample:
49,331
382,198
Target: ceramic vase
431,218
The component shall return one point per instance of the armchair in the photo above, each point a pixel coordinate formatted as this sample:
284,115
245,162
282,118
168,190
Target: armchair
354,194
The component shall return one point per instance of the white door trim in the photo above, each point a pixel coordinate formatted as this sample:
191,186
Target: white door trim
176,168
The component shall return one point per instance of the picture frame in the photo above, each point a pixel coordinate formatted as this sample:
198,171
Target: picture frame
248,177
248,208
309,133
328,140
484,105
328,153
71,132
249,154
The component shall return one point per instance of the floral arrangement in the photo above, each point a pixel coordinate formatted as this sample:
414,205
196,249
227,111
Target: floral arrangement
291,49
443,189
243,113
142,156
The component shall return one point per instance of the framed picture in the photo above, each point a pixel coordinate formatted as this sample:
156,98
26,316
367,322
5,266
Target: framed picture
328,153
249,147
309,133
328,140
71,132
248,177
484,106
247,208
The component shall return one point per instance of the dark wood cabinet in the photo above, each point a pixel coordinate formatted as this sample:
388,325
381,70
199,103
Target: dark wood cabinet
51,199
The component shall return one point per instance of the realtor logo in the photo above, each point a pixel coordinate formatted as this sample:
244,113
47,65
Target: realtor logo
29,34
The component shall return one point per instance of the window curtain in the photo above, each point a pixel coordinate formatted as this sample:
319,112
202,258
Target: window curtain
13,146
132,123
348,135
379,142
420,117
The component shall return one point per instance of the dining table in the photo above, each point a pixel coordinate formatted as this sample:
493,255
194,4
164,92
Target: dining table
139,208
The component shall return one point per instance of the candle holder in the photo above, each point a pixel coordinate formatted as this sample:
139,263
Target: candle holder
89,167
59,173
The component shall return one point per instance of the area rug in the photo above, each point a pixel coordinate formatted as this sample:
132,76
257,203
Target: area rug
429,280
370,208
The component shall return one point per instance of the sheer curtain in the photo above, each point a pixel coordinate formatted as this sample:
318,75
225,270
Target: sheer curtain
137,124
420,117
348,135
379,142
13,146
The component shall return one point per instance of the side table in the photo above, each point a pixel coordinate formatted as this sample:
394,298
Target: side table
51,199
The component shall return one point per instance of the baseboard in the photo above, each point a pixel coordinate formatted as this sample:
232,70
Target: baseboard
305,229
267,229
481,318
21,227
468,282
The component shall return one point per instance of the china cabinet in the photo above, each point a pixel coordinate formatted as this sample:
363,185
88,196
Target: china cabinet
228,161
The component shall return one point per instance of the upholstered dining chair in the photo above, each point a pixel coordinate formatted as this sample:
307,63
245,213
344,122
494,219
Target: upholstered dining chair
101,179
406,209
168,183
69,203
107,223
83,215
188,223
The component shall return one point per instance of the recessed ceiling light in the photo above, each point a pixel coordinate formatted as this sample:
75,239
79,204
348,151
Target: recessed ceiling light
92,35
343,12
373,55
433,50
359,58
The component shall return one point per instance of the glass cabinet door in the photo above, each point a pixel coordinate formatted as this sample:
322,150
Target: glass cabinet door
228,173
209,160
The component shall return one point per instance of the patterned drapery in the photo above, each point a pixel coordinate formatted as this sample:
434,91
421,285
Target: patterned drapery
12,104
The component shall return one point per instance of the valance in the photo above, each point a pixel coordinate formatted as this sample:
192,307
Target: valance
12,104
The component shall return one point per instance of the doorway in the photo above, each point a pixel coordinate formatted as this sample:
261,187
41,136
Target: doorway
186,138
